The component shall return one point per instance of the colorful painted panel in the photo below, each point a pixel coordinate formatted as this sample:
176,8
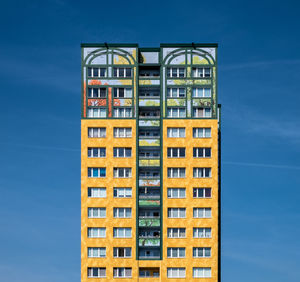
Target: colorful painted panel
199,60
149,202
148,222
149,82
149,103
176,102
149,242
178,60
99,60
148,122
149,142
122,102
149,182
96,102
150,57
109,82
149,162
202,102
188,82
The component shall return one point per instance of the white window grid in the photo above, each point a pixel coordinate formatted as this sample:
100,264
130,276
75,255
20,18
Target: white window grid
201,72
122,212
173,92
176,212
96,132
122,92
176,112
122,192
201,252
202,152
202,112
176,72
97,92
97,192
205,191
176,132
176,172
122,252
176,272
203,92
176,232
100,172
122,232
122,172
201,172
202,212
202,132
96,112
201,272
122,72
99,152
96,232
177,193
123,112
176,252
96,252
96,212
202,232
96,72
122,132
96,272
175,152
122,152
122,272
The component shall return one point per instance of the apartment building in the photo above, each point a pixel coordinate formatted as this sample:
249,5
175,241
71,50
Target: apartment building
150,163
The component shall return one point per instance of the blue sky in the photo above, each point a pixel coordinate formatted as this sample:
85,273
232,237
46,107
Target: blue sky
259,65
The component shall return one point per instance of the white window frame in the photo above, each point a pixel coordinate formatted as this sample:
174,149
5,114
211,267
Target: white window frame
127,132
206,231
204,150
118,149
97,132
172,250
175,72
98,229
171,171
118,72
176,272
90,270
92,192
116,212
200,72
99,172
204,192
202,212
126,171
206,113
99,112
199,92
117,112
173,149
124,271
127,92
99,72
126,189
94,212
172,130
116,252
171,193
200,252
96,92
96,252
202,132
175,232
201,272
175,110
174,92
91,151
176,212
121,232
200,172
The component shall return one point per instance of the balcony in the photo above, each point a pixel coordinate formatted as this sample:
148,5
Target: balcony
149,72
149,202
149,142
149,113
149,272
149,241
149,123
143,182
149,253
153,162
149,221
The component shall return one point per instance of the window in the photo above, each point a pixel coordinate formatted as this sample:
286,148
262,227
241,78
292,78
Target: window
122,252
202,212
122,72
201,152
96,272
122,112
122,192
201,132
96,232
201,92
176,172
176,132
176,92
122,132
121,232
202,232
175,112
122,92
176,252
201,72
176,212
96,112
96,92
176,152
96,212
122,172
202,192
122,152
122,212
176,192
121,272
201,172
201,112
96,252
178,272
96,152
176,72
176,232
201,272
96,72
96,172
96,132
202,252
96,192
